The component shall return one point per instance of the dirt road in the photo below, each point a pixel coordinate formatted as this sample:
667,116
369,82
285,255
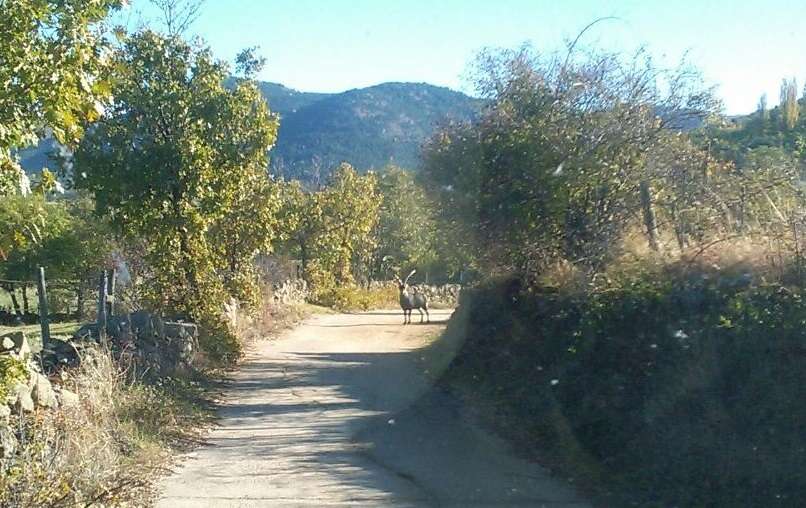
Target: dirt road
338,412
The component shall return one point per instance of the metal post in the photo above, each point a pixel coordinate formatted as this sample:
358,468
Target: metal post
101,322
44,320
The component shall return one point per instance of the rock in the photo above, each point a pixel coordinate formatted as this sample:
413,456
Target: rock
7,343
15,392
19,343
69,399
60,353
42,392
8,442
5,412
181,330
86,332
24,401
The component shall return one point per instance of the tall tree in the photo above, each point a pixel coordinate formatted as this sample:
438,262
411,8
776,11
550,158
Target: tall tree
763,108
171,162
790,110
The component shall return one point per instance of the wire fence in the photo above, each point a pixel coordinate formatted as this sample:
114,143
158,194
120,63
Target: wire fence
66,300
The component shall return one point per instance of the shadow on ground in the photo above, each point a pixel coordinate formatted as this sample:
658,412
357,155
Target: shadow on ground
343,412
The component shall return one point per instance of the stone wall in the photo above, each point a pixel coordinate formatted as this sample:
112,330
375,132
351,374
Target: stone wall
147,340
445,295
290,292
24,395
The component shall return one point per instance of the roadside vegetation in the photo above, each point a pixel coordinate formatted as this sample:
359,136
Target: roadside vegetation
641,327
163,154
637,264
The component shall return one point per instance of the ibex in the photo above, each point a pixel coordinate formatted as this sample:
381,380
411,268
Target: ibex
411,299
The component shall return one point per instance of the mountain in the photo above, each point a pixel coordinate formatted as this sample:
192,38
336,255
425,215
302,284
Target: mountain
286,101
367,127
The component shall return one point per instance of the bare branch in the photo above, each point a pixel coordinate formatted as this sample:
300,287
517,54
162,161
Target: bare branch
178,15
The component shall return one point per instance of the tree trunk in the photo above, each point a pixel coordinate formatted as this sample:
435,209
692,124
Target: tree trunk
650,222
303,254
25,306
80,304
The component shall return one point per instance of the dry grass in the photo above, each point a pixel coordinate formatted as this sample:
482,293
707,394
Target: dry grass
106,450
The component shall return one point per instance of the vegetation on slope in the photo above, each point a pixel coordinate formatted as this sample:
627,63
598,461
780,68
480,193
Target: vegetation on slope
369,127
665,386
662,375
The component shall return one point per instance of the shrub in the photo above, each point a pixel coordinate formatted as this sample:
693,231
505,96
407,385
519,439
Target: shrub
670,389
12,371
355,298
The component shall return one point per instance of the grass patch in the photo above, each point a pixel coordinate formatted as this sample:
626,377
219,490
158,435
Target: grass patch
34,332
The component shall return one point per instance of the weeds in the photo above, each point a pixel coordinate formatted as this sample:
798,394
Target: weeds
107,449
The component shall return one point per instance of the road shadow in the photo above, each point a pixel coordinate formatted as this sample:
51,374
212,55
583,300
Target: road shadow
365,428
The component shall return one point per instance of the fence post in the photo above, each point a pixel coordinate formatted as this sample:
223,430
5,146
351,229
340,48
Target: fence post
44,320
80,301
101,322
110,294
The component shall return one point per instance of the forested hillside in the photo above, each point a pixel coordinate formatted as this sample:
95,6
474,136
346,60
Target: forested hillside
367,127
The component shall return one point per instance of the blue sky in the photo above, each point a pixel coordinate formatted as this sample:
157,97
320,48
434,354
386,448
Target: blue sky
745,47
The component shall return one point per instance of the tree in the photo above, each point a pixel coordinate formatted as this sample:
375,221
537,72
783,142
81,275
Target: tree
179,161
332,229
554,167
406,230
790,110
763,109
178,15
51,68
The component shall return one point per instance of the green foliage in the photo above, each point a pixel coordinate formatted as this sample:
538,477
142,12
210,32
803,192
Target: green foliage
669,388
12,372
406,229
51,53
61,236
349,298
553,167
179,163
331,230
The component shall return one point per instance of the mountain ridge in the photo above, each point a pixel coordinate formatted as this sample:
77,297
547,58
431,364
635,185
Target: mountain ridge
367,127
